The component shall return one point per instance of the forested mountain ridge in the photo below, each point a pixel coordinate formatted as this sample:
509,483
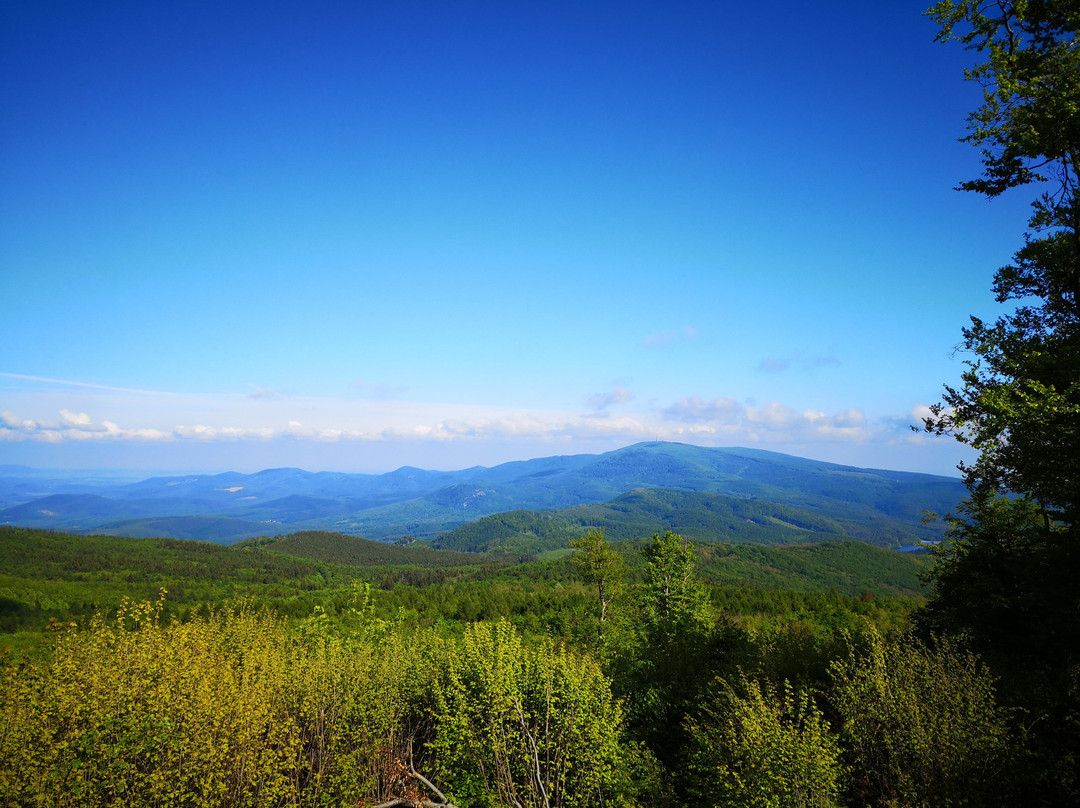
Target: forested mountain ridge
875,505
699,516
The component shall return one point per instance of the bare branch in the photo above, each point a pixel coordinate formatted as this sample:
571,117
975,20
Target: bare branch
535,754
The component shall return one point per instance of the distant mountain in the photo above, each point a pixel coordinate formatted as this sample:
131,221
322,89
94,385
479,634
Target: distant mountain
876,506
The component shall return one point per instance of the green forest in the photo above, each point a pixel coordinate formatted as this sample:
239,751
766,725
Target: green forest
578,660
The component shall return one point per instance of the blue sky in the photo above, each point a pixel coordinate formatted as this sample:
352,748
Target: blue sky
357,236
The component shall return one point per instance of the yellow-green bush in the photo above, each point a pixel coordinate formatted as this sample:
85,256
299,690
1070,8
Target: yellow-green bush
523,725
227,709
763,748
921,725
233,709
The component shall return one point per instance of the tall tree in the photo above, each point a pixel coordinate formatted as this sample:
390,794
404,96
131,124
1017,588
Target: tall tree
674,594
1020,400
1007,580
672,650
601,566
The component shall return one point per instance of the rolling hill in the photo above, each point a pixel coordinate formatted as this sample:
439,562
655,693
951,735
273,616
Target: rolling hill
876,506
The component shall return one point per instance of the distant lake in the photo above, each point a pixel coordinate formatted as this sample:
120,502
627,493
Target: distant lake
921,549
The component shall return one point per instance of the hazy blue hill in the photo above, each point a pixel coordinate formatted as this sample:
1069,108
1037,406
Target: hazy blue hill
226,488
871,505
269,484
21,488
301,508
536,470
217,529
76,510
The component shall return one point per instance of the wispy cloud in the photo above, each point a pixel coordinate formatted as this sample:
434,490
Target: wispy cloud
778,364
696,410
616,395
771,364
400,429
379,390
691,416
87,385
662,339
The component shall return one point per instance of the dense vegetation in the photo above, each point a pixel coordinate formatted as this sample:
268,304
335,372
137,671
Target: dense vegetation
490,682
51,576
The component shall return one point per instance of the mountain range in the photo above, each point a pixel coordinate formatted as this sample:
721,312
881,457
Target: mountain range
710,494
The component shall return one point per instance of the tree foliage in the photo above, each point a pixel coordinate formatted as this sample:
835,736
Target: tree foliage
600,566
233,709
1020,400
759,748
1006,579
921,725
521,725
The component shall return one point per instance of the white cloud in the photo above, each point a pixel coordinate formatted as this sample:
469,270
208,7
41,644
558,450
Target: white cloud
773,422
920,412
75,418
402,430
773,415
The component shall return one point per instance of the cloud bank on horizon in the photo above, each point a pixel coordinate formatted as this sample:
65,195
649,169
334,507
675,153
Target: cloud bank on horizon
394,433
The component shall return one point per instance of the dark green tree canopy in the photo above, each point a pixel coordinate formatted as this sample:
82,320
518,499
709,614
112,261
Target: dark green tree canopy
1006,581
1019,404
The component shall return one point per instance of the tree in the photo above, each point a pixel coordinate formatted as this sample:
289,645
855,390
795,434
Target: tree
673,592
671,651
1020,400
598,564
1006,579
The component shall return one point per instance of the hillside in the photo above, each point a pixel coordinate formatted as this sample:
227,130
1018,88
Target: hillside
883,507
54,575
701,517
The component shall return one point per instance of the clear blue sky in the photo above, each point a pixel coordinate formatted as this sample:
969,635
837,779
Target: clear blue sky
363,235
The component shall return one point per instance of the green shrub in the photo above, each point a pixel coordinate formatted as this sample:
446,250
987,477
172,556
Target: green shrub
763,748
921,725
524,725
